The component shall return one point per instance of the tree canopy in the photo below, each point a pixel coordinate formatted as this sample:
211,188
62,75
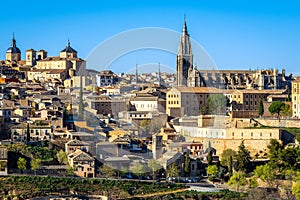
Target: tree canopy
173,170
225,156
279,108
217,103
237,180
21,164
187,163
243,158
107,171
261,108
212,170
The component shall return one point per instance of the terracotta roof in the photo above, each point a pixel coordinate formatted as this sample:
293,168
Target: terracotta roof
80,155
76,143
198,90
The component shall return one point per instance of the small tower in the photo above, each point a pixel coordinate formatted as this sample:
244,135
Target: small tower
136,74
30,57
13,53
42,54
68,52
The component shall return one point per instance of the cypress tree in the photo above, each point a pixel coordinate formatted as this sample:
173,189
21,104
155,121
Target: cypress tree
28,133
187,164
243,158
260,108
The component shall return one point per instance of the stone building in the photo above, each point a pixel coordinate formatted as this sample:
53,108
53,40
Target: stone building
188,74
106,105
248,100
296,97
37,133
3,161
106,78
182,101
83,163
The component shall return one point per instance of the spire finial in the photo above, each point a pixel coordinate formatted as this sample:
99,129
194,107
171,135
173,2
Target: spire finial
184,29
13,41
68,42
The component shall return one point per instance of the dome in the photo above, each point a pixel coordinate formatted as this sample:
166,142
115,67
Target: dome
69,49
13,50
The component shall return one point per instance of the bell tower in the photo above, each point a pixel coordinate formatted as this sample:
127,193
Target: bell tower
184,57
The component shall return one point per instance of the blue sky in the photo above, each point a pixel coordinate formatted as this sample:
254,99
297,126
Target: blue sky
236,34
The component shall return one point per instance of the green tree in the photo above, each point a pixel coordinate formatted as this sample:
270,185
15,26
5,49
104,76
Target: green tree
21,164
62,157
274,153
138,169
28,133
298,137
243,158
261,108
289,158
252,182
279,108
265,173
107,171
187,163
123,170
65,116
226,155
173,170
154,166
145,125
35,164
212,170
70,170
296,189
217,103
209,158
237,180
203,110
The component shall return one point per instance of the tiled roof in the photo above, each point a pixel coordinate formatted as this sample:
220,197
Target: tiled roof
80,155
198,90
76,143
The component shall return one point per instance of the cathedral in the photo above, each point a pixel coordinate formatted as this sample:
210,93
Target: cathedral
189,76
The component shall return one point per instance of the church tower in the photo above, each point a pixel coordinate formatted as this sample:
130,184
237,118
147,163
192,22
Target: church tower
13,53
184,57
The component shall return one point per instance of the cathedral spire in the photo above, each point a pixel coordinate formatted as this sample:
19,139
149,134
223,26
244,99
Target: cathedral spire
13,41
184,29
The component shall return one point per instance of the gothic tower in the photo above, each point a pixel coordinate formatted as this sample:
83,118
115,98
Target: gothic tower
184,57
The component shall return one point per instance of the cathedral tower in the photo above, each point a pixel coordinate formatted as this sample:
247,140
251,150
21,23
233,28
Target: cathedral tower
184,57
